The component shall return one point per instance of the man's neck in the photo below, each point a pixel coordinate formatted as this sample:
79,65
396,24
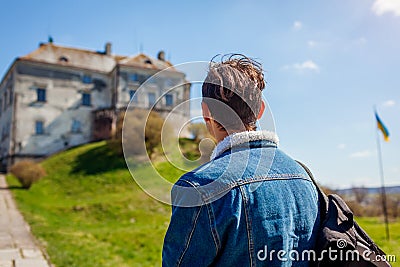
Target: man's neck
220,135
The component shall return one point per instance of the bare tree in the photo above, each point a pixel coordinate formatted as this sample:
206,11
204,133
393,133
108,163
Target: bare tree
142,132
393,203
360,193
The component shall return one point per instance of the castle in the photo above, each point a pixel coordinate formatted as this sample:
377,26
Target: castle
57,97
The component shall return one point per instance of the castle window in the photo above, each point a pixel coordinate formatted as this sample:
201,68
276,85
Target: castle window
87,79
142,78
76,126
169,100
5,99
41,94
134,77
132,96
63,59
151,99
10,95
86,99
39,127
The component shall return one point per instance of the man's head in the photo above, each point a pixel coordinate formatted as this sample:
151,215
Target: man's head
232,94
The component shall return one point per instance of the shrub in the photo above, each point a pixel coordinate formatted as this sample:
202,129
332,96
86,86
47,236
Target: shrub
152,136
27,172
139,127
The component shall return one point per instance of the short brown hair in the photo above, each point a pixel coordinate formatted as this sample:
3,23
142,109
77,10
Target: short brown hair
236,83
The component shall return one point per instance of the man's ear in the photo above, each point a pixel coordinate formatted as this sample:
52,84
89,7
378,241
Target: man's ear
206,112
262,108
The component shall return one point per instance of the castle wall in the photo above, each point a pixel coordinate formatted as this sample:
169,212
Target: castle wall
65,115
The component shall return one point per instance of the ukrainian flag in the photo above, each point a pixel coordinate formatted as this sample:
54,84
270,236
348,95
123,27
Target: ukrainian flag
382,127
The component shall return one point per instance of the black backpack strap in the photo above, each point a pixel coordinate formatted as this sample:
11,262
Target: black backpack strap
323,199
311,175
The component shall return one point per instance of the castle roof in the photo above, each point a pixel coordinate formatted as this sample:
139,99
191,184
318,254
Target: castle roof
91,60
145,61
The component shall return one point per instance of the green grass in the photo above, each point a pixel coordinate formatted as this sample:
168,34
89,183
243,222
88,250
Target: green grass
376,230
88,211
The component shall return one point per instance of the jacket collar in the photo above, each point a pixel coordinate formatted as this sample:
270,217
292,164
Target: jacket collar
236,139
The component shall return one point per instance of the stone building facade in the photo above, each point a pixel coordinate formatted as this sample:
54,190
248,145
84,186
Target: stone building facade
57,97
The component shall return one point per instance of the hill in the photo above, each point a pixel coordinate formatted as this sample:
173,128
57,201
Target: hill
88,211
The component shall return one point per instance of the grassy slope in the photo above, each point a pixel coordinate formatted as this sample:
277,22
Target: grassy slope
89,212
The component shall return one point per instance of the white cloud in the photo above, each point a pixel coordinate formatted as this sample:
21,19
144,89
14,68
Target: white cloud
306,65
381,7
297,25
361,154
389,103
341,146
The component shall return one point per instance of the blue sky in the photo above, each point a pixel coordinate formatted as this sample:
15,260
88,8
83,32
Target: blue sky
327,63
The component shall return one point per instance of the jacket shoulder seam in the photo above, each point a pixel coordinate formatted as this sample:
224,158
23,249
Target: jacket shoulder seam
241,182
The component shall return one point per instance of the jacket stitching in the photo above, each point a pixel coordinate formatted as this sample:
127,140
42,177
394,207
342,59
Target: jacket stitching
230,186
248,226
188,182
190,237
195,188
214,232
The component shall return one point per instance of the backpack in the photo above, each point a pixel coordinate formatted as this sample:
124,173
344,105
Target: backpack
339,233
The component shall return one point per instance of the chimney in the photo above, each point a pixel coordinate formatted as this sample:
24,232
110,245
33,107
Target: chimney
108,49
161,55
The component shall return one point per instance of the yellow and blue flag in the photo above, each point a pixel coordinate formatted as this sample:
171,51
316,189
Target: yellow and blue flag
382,127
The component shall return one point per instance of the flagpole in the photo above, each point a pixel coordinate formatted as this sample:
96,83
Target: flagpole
383,191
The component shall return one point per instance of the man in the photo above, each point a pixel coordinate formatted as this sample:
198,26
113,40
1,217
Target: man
251,205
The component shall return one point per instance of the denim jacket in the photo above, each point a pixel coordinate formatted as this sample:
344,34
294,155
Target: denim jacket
251,205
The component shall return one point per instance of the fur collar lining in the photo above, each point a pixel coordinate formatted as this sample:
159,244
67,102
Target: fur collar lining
241,138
